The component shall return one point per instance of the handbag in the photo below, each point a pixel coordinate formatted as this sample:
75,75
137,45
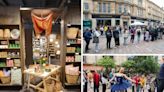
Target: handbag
95,39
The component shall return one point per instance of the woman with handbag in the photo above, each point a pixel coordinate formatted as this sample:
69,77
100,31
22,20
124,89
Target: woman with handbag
96,35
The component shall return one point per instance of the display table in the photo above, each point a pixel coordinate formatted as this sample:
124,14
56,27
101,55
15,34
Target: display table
44,76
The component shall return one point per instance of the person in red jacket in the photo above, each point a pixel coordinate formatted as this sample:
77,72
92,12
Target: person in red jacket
96,78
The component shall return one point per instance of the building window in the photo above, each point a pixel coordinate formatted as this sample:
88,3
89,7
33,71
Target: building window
140,2
108,7
99,7
86,6
104,7
120,8
86,17
127,1
125,9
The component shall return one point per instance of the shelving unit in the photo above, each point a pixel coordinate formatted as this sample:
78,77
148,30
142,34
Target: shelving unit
10,51
73,56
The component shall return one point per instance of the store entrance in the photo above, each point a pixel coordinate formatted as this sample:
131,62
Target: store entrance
107,22
125,23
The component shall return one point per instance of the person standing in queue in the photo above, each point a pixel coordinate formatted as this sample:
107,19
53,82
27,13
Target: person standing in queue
116,36
87,37
132,31
108,37
96,35
161,77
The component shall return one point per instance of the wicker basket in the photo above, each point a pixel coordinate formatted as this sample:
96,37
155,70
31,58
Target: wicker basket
6,80
1,33
72,79
6,33
72,33
50,85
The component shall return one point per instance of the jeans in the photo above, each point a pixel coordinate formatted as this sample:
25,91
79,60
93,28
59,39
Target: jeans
85,87
104,88
125,40
87,45
96,47
161,86
132,38
108,42
96,88
138,38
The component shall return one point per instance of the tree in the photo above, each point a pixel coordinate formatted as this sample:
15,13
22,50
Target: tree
142,64
129,65
106,62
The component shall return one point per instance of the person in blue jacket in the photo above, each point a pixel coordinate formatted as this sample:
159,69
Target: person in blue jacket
161,77
87,37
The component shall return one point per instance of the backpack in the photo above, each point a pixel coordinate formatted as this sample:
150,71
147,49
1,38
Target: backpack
109,34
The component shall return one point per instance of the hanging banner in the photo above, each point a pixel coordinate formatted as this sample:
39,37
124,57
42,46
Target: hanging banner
41,24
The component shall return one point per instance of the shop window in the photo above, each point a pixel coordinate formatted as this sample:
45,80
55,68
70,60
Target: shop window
86,6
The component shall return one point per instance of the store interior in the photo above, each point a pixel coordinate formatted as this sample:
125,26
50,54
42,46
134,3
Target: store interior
40,45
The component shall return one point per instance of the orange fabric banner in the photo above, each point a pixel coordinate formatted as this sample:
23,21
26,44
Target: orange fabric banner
42,24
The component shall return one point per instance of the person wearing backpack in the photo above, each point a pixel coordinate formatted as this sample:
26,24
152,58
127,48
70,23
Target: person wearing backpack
87,37
108,37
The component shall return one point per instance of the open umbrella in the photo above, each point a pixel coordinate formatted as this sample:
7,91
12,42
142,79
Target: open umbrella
138,24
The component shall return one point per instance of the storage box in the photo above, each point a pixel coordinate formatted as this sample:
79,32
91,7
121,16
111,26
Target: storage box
17,62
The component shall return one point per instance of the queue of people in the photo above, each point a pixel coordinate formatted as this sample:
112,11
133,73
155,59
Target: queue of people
150,33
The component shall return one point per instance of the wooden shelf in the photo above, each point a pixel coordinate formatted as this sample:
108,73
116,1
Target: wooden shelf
5,39
74,62
72,54
10,66
73,44
9,48
68,84
73,38
9,85
10,57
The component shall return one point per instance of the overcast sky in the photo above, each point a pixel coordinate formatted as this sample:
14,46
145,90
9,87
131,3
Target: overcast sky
158,2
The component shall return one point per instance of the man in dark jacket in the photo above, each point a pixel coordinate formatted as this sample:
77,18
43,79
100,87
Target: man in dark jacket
87,37
116,36
161,77
108,37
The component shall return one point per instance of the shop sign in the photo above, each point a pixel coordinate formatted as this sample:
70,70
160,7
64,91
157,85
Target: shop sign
87,24
105,16
125,17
